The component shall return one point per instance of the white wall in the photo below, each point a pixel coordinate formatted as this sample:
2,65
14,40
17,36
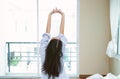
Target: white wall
2,58
2,43
94,36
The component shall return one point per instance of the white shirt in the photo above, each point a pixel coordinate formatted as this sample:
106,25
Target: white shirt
43,44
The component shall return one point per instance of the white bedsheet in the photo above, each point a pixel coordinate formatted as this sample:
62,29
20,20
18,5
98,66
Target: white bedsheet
99,76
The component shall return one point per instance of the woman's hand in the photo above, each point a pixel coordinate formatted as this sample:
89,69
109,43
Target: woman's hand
59,11
56,11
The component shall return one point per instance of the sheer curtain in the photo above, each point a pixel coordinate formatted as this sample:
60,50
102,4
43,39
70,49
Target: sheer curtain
2,39
114,20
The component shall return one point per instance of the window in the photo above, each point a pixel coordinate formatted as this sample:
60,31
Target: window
118,38
24,23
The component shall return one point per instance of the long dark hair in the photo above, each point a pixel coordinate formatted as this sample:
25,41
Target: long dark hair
52,64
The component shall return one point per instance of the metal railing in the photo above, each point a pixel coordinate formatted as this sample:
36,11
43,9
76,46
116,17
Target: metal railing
28,51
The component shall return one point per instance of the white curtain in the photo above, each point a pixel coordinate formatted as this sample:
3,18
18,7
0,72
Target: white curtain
114,21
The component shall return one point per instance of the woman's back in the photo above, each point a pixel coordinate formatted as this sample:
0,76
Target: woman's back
43,46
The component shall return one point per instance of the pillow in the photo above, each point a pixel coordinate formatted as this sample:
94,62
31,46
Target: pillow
95,76
110,76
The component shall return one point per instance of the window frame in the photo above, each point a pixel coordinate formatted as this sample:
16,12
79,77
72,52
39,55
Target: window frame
78,24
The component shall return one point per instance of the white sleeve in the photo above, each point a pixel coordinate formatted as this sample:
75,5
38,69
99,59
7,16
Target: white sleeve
45,38
44,42
62,38
64,42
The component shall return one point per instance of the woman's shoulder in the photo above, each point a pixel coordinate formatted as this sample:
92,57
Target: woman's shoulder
63,38
46,34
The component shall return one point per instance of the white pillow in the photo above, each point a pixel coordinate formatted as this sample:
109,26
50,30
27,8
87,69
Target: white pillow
110,76
95,76
118,77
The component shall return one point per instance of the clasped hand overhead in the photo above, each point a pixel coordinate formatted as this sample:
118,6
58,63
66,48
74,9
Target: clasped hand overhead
56,11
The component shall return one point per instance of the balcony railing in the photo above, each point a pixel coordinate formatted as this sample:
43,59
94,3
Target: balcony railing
26,53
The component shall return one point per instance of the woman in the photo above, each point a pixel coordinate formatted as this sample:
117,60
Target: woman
52,50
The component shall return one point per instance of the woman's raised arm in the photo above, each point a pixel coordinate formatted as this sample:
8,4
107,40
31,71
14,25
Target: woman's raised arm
62,20
62,25
48,28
